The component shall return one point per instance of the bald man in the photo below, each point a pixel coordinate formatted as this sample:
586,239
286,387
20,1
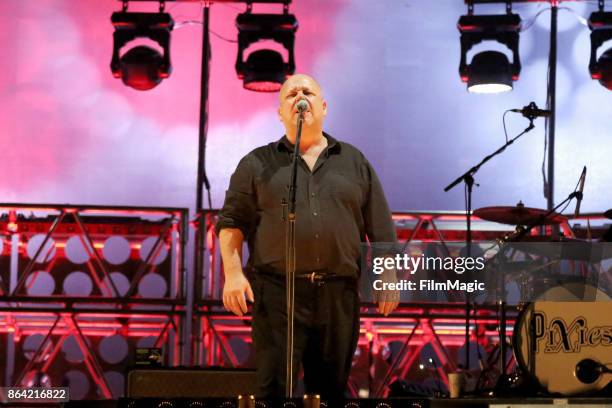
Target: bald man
340,203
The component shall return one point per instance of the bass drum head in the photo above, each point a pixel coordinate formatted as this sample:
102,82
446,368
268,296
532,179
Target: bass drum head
570,323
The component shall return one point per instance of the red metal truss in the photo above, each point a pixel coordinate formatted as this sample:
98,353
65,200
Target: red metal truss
91,226
85,321
40,331
87,328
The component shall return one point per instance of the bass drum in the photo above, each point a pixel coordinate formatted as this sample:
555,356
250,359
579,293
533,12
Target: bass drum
562,334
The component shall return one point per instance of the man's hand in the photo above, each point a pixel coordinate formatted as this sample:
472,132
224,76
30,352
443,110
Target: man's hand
387,300
387,306
236,285
234,291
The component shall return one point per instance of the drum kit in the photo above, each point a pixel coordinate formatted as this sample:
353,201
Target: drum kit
562,338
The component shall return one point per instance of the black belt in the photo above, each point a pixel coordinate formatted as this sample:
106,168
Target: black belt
319,278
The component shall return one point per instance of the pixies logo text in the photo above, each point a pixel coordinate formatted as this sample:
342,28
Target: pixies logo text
559,335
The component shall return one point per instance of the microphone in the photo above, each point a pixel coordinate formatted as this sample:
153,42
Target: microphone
532,111
589,371
579,193
301,106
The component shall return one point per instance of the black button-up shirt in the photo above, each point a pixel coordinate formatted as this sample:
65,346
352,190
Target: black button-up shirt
338,204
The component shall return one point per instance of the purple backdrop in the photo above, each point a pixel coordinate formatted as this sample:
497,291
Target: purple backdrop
72,133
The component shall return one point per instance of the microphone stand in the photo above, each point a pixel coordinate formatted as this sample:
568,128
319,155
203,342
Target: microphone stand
290,264
468,179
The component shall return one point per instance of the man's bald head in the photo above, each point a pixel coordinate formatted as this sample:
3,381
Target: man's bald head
302,87
297,80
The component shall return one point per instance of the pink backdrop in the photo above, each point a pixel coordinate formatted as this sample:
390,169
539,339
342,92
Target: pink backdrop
71,133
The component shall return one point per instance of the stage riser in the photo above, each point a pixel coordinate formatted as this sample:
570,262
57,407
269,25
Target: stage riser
362,403
190,383
373,403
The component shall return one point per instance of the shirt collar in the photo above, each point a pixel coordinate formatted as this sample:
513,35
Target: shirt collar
284,144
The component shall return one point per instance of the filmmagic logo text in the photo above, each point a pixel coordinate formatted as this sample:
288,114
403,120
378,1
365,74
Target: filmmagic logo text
429,285
386,266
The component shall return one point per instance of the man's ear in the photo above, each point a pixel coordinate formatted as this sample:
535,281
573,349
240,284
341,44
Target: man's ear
324,108
278,111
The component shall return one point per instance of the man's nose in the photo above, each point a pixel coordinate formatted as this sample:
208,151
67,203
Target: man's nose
297,98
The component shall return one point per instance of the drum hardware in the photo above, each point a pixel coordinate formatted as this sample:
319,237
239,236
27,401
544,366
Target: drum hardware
546,239
571,249
523,276
536,365
502,337
520,272
509,384
491,383
515,216
503,265
493,379
589,371
607,236
525,220
589,234
519,215
515,384
513,236
545,252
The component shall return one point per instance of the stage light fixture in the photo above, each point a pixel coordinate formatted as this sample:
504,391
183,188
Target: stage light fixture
600,23
141,67
489,71
265,70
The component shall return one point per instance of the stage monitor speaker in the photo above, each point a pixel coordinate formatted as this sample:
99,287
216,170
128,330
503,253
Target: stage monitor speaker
190,383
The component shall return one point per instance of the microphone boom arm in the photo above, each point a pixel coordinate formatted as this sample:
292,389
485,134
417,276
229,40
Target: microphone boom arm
474,170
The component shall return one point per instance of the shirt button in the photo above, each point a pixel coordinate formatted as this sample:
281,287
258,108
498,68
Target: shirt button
312,194
315,213
318,259
317,236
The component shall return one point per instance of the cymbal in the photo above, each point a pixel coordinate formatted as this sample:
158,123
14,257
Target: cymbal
608,213
518,215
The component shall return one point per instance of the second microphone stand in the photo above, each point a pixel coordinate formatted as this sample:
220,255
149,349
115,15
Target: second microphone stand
290,265
468,179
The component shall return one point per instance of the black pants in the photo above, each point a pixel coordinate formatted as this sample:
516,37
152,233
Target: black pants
326,330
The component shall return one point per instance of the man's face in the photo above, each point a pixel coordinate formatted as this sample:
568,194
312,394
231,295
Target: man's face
301,87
